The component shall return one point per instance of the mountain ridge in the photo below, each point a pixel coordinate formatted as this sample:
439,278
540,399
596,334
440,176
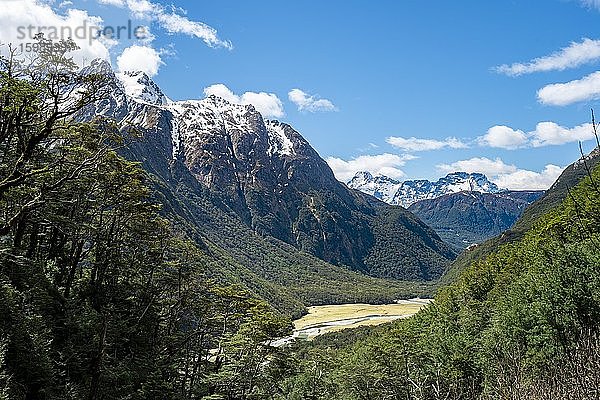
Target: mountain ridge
408,192
467,218
555,195
239,182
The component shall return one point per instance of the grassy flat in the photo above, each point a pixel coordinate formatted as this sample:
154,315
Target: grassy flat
337,317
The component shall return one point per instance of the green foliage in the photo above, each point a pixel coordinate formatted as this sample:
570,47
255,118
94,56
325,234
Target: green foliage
100,297
275,271
406,248
521,323
103,298
252,368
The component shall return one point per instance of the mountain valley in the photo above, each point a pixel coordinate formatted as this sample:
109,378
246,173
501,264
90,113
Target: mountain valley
153,248
256,190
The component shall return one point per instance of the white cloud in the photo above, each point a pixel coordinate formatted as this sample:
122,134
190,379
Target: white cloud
530,180
506,176
17,16
415,144
140,58
381,164
171,21
546,133
575,55
268,104
310,103
591,3
143,8
550,133
147,37
222,91
503,137
174,23
562,94
116,3
479,164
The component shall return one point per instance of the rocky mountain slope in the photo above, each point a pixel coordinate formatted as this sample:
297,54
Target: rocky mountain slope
408,192
243,184
468,217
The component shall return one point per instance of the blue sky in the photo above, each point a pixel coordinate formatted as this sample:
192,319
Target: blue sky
387,72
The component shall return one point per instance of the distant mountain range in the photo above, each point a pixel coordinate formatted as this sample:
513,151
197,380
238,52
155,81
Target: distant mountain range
462,208
470,217
550,199
409,192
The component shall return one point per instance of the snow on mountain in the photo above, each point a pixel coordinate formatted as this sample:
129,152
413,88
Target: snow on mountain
192,119
139,86
278,140
380,186
195,118
214,130
210,113
408,192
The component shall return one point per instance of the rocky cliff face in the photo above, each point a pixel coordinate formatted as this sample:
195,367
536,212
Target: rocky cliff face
267,174
259,167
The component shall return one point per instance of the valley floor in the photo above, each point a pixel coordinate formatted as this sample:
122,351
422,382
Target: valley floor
333,318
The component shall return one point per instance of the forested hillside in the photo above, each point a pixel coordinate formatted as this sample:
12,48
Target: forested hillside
521,323
552,198
108,286
100,298
466,218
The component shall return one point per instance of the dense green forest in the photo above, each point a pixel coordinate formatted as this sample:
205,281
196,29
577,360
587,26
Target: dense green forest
276,271
103,294
100,298
521,323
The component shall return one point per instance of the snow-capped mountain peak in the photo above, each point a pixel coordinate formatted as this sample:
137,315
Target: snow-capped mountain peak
462,181
138,85
413,191
218,159
380,186
193,121
408,192
97,66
